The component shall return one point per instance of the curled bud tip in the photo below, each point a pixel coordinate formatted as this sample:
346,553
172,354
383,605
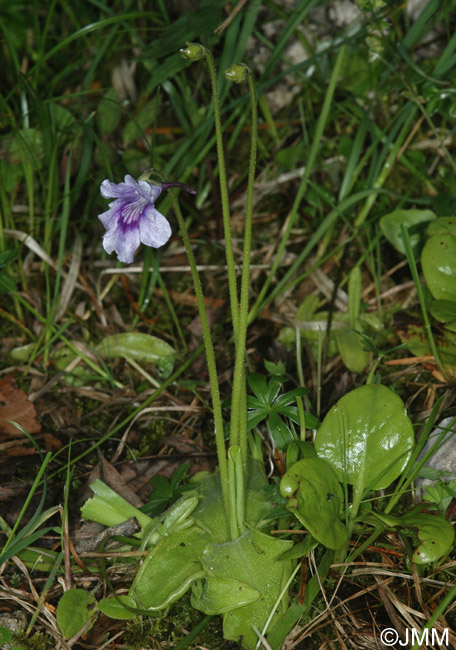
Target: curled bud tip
236,72
192,52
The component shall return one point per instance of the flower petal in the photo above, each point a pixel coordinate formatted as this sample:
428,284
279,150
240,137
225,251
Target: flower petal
154,228
129,180
110,239
107,217
124,243
132,217
127,190
127,246
112,190
149,191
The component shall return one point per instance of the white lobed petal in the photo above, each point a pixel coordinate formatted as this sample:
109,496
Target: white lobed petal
108,218
111,190
126,191
154,228
132,217
123,243
110,239
129,180
126,246
148,191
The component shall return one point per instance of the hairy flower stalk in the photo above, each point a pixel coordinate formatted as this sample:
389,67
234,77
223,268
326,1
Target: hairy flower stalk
237,572
132,214
196,52
239,305
238,426
132,219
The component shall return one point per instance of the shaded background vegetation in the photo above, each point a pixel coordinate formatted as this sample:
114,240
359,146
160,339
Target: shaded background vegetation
92,91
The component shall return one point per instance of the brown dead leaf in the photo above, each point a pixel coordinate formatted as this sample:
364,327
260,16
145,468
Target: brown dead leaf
18,451
51,442
14,406
107,473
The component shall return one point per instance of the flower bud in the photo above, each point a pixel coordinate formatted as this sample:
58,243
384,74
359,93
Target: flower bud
236,72
193,52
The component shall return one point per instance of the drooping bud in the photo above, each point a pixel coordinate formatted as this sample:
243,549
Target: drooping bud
192,52
236,72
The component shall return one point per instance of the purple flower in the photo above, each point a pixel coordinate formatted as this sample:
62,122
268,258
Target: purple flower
132,218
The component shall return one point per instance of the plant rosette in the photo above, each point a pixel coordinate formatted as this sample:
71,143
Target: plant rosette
190,548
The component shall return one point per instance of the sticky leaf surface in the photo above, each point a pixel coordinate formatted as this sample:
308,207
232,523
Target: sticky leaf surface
367,437
316,499
74,610
140,347
435,533
252,560
438,259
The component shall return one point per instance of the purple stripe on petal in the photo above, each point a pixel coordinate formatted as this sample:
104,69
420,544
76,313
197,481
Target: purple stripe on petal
132,217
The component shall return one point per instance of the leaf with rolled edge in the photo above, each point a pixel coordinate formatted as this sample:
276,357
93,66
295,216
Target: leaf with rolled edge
445,312
221,595
75,609
412,333
438,259
316,499
367,437
169,569
210,512
390,225
176,562
351,350
113,607
253,561
435,533
140,347
298,449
